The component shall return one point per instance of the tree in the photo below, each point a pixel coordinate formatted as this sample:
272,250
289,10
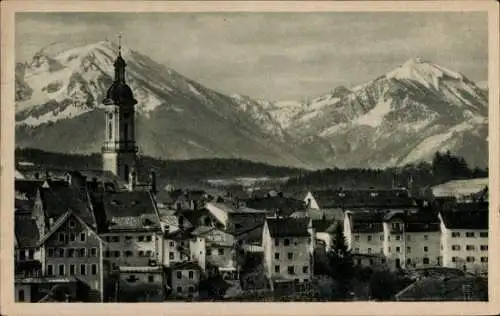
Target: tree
341,262
382,285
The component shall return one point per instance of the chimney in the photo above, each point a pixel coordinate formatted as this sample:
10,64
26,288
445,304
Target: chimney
152,179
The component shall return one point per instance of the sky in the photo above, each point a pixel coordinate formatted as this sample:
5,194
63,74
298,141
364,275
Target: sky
275,56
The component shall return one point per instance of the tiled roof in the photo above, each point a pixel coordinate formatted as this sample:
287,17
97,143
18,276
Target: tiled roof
474,219
130,210
60,199
362,198
26,231
366,222
188,265
231,209
423,221
285,206
321,225
179,235
288,227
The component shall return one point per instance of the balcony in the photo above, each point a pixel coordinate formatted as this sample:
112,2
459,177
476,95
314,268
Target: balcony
121,146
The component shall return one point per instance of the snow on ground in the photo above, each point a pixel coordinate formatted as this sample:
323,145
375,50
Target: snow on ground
460,187
194,90
69,112
375,116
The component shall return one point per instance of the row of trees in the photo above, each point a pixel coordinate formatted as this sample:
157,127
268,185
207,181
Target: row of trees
444,167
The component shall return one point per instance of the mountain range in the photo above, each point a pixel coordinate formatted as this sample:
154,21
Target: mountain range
401,117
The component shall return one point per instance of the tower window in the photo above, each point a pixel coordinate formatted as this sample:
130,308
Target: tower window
110,130
125,131
125,174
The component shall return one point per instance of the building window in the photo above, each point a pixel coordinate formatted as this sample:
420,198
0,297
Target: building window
72,237
61,269
171,244
356,238
276,242
398,249
305,269
426,249
470,259
22,255
408,238
455,247
454,259
115,238
125,131
290,256
140,238
51,252
369,238
191,275
83,269
484,259
277,269
484,247
291,270
221,251
151,278
388,238
408,249
483,234
83,237
369,250
93,252
61,252
455,234
128,253
277,255
110,130
398,237
426,237
81,252
426,260
179,274
71,252
388,249
381,237
106,253
50,270
149,253
93,269
470,248
141,253
470,234
179,289
72,269
31,254
171,256
191,289
117,254
61,237
149,238
209,252
287,242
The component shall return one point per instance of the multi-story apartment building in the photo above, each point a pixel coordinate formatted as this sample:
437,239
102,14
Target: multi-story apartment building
131,230
288,244
364,232
412,239
464,237
185,279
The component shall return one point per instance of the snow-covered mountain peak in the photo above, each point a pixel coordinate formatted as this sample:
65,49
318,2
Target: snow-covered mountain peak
425,73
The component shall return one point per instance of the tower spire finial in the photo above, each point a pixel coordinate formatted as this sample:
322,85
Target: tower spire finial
120,43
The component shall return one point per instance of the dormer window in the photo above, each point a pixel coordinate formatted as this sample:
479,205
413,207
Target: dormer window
373,194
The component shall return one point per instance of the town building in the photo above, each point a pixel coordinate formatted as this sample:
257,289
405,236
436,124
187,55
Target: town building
364,232
464,237
141,284
288,247
185,279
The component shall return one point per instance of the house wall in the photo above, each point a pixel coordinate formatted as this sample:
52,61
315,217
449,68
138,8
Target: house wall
83,256
367,243
219,214
175,251
185,286
132,248
456,257
299,247
197,248
137,278
22,292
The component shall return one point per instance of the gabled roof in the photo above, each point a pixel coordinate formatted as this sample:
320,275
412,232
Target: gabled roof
232,209
466,217
423,221
60,199
288,227
60,221
366,222
285,206
26,231
130,210
362,198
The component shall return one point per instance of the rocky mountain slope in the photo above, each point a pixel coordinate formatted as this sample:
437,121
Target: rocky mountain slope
398,118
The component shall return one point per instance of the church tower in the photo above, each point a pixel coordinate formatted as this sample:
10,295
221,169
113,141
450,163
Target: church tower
119,151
